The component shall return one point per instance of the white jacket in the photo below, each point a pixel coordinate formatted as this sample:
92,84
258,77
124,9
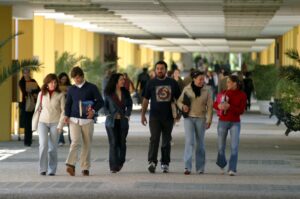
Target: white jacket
53,109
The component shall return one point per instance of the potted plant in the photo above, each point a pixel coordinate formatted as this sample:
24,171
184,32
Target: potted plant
265,78
286,105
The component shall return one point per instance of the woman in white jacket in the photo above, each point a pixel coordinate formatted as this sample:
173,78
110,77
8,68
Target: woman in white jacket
51,103
196,103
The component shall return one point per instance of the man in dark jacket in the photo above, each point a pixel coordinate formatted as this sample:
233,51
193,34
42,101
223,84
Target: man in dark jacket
83,100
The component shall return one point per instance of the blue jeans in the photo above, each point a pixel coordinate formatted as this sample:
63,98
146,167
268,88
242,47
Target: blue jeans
223,128
194,130
48,147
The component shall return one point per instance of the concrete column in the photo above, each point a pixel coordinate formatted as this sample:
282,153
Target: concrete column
6,87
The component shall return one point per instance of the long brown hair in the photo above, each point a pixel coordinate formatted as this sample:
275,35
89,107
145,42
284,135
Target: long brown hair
50,77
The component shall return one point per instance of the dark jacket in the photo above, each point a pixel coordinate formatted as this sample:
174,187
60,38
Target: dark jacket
111,108
88,92
22,86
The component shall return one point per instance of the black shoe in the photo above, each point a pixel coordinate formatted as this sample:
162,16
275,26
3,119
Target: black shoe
187,172
43,173
85,172
151,167
51,174
120,167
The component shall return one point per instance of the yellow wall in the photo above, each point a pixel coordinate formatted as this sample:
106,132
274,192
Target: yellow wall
253,56
128,54
290,40
50,36
6,87
59,38
39,45
49,51
90,51
68,38
25,40
267,56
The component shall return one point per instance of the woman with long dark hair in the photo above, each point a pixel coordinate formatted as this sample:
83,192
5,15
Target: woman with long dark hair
230,104
64,84
118,107
51,103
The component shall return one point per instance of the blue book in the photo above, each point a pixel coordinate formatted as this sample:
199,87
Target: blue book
84,107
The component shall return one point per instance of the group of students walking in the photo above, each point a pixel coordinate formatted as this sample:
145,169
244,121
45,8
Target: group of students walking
77,108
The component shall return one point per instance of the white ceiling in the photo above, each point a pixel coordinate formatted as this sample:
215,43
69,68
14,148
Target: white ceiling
177,25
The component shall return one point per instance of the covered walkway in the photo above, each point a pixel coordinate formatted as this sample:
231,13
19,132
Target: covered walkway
268,168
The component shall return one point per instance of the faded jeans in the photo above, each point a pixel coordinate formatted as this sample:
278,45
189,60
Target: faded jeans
194,131
48,136
223,128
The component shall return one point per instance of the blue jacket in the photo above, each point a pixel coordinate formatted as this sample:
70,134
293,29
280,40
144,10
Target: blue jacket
88,92
111,108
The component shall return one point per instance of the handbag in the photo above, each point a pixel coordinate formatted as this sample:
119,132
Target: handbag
186,101
29,103
36,115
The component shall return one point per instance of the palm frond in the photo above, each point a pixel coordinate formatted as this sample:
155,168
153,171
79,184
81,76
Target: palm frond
291,73
293,54
16,67
66,61
5,41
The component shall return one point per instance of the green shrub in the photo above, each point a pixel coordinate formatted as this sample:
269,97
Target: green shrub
265,79
288,88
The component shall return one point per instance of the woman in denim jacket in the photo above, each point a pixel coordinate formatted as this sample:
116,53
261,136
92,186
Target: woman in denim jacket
117,107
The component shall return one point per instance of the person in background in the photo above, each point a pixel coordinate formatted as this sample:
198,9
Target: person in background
199,118
64,84
230,104
248,88
188,79
117,107
177,78
108,73
128,84
51,102
223,81
142,80
83,100
161,91
30,90
212,82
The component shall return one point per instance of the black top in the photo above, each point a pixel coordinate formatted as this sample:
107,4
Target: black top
161,93
22,85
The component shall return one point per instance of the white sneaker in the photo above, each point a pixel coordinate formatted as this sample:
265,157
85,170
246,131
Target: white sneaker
231,173
165,168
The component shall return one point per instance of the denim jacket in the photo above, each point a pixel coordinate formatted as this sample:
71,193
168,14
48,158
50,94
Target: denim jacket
111,108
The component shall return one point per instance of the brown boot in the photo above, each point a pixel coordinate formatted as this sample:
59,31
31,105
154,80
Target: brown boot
70,169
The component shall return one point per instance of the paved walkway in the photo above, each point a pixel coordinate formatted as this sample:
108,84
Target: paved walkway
269,167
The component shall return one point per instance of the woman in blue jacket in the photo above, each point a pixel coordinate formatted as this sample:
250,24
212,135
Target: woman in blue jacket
118,107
